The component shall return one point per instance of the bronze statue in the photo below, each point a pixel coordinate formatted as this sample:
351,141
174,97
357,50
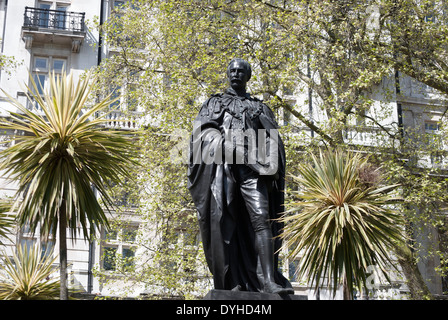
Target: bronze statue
236,179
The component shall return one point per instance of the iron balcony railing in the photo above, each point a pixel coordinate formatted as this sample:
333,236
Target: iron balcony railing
54,19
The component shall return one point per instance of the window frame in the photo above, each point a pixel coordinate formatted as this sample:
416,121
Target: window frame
28,238
120,243
40,74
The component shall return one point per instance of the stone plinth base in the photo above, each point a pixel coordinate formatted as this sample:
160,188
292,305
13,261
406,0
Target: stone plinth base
245,295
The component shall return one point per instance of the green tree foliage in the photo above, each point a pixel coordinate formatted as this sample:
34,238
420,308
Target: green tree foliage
346,58
8,64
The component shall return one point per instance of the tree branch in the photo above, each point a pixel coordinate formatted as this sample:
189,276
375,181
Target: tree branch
302,118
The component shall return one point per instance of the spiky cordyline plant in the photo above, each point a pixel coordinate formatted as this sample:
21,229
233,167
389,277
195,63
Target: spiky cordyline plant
341,225
63,151
29,275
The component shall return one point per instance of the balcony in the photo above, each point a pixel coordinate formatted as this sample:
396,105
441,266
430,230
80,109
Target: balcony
120,121
42,26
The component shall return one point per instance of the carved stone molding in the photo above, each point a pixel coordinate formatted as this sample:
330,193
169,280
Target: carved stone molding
28,41
76,45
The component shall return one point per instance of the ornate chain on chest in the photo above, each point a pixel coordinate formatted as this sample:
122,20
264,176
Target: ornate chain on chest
238,108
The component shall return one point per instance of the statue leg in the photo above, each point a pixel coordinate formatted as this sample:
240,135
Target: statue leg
255,195
264,248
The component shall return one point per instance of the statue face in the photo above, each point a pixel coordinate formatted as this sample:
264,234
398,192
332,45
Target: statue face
238,75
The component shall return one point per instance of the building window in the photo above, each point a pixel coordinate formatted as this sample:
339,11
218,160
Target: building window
116,97
42,66
58,65
126,94
29,239
118,4
432,127
434,143
119,248
53,5
60,17
44,16
52,19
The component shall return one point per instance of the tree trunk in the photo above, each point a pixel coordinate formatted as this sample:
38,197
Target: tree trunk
63,251
417,286
347,295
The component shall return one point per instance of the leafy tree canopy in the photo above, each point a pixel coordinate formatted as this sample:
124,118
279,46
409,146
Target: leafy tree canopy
345,60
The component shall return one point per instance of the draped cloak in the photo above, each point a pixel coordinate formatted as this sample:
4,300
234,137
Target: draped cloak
226,231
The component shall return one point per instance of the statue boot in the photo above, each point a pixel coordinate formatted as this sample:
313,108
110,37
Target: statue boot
263,240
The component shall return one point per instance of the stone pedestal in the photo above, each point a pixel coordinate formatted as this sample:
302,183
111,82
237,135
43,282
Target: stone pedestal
245,295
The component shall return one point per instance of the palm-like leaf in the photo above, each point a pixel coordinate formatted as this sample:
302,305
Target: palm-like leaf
340,225
6,220
61,154
29,275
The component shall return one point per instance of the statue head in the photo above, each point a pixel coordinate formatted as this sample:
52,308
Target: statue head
239,73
